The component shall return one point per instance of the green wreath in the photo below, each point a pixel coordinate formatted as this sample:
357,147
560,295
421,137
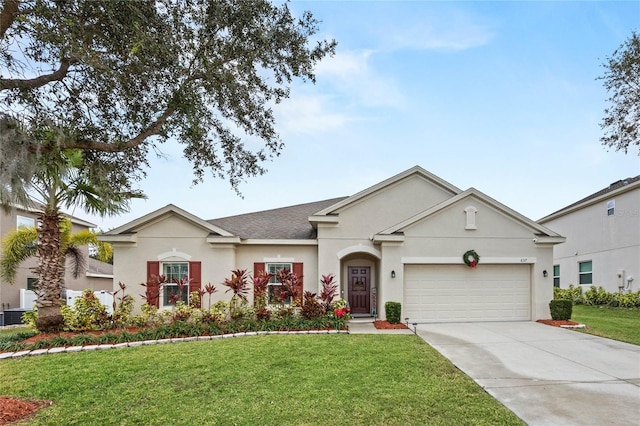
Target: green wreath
471,258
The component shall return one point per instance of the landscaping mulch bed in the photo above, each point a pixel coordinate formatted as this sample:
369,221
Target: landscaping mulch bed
14,410
386,325
559,323
68,334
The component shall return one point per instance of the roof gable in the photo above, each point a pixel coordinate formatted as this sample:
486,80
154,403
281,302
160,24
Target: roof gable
414,171
169,209
468,194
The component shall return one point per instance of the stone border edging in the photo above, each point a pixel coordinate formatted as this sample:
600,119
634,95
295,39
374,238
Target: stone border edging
71,349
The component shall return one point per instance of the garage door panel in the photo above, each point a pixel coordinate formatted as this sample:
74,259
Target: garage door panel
440,293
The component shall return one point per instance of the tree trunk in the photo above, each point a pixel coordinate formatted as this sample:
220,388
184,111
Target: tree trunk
50,271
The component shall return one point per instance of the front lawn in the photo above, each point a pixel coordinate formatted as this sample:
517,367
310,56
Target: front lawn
266,380
615,323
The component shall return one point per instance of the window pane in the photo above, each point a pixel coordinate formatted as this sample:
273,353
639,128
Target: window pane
31,283
556,282
273,268
26,221
556,270
173,272
585,266
273,289
586,279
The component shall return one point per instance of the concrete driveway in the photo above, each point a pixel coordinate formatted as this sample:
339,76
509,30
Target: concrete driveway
546,375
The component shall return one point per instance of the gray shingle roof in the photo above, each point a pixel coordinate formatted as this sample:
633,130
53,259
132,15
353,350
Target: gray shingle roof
612,187
97,267
284,223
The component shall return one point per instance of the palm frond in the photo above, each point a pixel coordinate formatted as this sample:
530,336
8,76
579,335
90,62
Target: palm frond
105,252
17,246
82,238
77,261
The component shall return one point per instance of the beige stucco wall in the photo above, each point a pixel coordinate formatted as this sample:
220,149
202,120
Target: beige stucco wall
499,238
173,238
612,243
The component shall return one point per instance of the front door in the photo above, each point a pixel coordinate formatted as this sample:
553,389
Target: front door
359,288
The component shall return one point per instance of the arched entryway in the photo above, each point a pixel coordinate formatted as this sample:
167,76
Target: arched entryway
359,283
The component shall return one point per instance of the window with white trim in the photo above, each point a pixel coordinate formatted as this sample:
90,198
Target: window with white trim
174,271
611,207
585,272
556,275
25,221
273,288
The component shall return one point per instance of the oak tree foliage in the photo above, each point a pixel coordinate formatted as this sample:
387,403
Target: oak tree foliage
121,77
621,122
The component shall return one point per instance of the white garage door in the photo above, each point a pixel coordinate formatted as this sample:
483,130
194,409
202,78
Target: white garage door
443,293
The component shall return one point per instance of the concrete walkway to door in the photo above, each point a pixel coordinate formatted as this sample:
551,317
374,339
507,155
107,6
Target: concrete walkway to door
546,375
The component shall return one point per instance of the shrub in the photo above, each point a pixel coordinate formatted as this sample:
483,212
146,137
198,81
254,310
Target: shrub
392,311
311,307
561,309
88,313
122,314
597,296
328,292
572,293
628,300
29,318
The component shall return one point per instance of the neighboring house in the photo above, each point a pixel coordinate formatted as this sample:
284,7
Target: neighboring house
603,239
401,240
98,275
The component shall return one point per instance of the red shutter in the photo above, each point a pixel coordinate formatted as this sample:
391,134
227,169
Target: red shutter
153,271
297,269
258,267
195,273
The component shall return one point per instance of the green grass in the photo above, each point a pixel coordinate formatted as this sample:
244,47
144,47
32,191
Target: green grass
615,323
265,380
10,331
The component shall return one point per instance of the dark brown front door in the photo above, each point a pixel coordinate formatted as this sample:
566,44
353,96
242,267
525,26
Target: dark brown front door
359,289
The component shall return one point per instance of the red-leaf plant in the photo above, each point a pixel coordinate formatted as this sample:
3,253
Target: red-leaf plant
210,289
260,284
329,290
152,289
290,286
122,287
182,283
311,307
239,285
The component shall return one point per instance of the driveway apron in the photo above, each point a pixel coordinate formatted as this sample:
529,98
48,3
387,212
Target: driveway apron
545,375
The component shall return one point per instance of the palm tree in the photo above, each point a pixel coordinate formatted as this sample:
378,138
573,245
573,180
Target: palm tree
62,179
21,244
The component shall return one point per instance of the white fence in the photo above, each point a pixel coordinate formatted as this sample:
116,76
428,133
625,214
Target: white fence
28,298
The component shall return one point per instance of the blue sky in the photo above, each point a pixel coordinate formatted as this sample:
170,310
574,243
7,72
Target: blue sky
500,96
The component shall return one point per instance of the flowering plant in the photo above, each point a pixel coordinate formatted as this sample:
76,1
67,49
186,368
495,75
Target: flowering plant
341,309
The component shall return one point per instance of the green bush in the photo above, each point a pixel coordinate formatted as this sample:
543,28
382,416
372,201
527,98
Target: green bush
392,311
628,300
572,293
561,309
597,296
88,313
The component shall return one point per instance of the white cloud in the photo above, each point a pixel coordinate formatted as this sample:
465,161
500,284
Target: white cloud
309,114
456,32
351,73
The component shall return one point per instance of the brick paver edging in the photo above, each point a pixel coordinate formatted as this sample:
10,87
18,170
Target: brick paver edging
70,349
